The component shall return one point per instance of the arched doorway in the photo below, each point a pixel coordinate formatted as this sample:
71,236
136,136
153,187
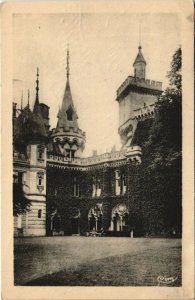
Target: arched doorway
95,218
120,218
116,222
75,224
92,223
56,223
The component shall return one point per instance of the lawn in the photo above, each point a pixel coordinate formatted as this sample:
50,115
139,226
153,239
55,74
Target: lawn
85,261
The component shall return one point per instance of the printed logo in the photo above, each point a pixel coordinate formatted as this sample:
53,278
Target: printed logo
166,279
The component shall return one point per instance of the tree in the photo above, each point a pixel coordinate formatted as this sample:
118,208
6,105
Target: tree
165,138
161,142
21,204
163,150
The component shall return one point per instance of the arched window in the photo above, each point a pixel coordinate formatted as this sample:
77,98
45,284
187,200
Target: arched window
40,178
69,114
39,213
120,217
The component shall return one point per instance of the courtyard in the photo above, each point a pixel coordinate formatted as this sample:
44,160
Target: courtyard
97,261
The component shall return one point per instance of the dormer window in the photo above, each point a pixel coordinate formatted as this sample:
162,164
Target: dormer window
69,114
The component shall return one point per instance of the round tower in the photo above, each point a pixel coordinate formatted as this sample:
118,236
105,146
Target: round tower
30,139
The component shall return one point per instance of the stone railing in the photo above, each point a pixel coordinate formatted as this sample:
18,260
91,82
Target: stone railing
150,84
133,151
106,157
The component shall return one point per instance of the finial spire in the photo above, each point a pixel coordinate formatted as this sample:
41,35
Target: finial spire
67,63
37,87
28,98
139,35
22,100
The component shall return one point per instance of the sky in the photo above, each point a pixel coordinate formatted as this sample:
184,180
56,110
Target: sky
102,49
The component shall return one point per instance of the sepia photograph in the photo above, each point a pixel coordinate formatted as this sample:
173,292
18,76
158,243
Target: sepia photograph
97,149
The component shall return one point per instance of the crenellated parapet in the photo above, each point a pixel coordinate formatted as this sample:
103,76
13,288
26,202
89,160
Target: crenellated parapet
144,112
132,83
136,97
58,133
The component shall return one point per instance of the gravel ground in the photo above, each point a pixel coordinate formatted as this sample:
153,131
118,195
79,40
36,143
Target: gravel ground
101,261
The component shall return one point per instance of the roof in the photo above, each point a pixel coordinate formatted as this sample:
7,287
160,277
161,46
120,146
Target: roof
139,57
67,103
29,126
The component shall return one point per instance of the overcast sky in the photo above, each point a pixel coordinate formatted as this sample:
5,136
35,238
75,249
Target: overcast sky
102,51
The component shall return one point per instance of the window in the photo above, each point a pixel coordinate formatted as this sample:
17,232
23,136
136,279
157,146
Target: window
19,223
15,178
40,179
124,183
75,187
40,153
39,213
40,182
69,114
96,187
98,190
70,154
18,178
117,183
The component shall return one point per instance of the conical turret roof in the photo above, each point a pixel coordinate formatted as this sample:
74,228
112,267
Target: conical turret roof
67,107
29,126
139,57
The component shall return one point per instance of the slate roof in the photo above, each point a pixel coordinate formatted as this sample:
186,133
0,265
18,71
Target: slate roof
139,57
29,126
67,103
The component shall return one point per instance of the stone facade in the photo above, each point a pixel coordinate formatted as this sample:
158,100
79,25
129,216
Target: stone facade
71,194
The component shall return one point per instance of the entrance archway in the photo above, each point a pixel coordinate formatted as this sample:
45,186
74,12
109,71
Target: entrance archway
75,221
92,223
95,217
120,218
56,223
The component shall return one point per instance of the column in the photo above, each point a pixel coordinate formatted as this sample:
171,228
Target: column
121,220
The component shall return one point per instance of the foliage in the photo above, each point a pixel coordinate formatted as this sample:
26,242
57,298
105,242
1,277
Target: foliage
165,139
174,75
154,187
21,204
163,151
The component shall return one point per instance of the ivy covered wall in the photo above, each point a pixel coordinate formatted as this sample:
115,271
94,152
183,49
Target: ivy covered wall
152,196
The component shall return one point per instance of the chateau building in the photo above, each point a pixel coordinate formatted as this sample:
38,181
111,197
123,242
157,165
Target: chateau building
71,194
